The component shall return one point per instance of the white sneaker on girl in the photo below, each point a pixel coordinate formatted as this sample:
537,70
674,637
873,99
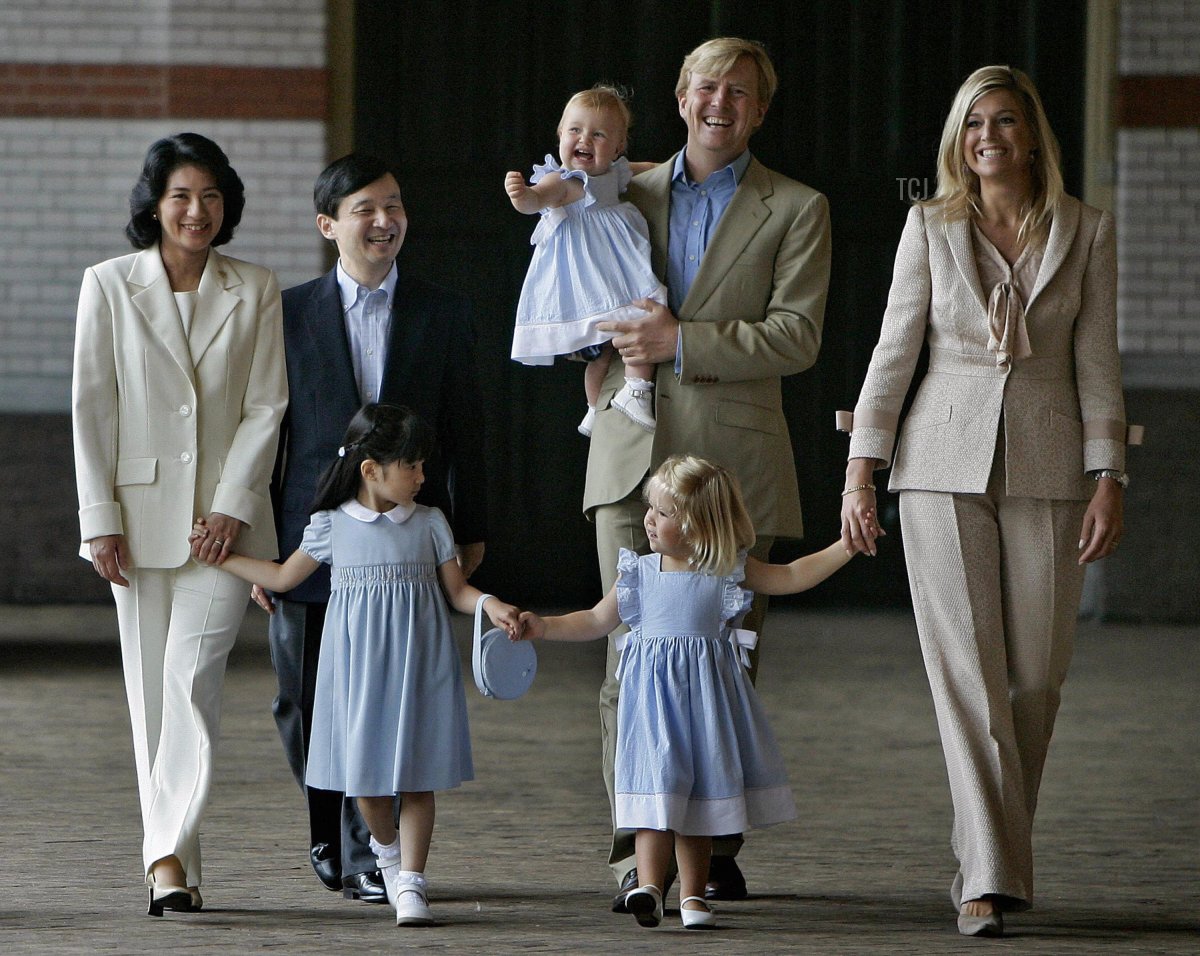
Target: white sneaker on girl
635,400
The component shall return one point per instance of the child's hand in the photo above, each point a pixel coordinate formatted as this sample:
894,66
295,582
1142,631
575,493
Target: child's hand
523,198
533,627
196,538
505,616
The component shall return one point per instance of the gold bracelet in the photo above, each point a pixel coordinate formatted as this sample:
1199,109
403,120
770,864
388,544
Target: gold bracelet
867,487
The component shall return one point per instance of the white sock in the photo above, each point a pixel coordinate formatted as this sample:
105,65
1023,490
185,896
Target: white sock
386,855
639,384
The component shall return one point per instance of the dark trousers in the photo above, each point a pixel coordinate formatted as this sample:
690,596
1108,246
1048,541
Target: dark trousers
295,636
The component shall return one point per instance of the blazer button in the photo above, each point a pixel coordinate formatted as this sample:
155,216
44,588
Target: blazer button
185,410
186,457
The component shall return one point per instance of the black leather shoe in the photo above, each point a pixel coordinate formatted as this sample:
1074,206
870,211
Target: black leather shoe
367,887
725,880
630,883
327,866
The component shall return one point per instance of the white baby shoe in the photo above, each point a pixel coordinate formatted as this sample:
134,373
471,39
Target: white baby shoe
635,401
589,421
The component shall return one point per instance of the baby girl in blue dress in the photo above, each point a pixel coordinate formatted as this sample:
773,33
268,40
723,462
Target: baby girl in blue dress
591,258
695,756
390,716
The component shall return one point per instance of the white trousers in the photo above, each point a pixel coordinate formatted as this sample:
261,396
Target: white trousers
996,586
177,628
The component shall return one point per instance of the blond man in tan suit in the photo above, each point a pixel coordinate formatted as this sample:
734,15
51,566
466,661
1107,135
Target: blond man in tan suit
1010,463
745,256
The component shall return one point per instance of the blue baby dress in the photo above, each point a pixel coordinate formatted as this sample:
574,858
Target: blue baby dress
390,714
695,753
591,259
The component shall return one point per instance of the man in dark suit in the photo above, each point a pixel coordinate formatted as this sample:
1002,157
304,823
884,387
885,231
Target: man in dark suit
363,333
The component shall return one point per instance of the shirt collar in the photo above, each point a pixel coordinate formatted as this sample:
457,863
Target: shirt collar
360,512
738,168
349,286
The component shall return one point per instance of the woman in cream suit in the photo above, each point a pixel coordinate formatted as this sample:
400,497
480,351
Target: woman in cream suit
1010,464
179,389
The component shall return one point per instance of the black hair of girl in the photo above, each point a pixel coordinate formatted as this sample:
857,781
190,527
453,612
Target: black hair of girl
164,157
382,433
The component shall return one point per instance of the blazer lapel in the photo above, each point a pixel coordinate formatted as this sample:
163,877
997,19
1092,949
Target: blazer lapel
958,237
745,215
655,187
214,303
150,292
325,324
1062,235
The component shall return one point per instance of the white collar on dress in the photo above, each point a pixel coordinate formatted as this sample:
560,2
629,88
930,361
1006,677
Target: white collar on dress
398,515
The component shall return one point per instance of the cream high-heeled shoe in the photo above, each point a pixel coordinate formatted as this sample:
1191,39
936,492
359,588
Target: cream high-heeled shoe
167,896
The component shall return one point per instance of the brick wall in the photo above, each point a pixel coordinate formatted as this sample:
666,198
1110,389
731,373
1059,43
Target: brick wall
84,89
1158,191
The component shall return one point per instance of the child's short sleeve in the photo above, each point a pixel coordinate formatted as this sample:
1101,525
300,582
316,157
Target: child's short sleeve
317,542
624,174
443,537
737,599
629,579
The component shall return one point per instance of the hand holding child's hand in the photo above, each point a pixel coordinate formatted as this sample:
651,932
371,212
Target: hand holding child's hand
505,616
523,198
532,626
196,538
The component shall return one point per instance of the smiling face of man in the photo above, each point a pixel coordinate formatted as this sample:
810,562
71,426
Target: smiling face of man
369,230
722,113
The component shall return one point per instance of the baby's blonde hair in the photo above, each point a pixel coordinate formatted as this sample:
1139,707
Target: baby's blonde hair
708,503
602,96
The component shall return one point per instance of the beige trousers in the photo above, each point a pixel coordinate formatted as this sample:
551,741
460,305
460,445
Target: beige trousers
177,628
619,525
996,587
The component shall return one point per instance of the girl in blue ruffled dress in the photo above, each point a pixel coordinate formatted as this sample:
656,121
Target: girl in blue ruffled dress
390,717
591,258
695,755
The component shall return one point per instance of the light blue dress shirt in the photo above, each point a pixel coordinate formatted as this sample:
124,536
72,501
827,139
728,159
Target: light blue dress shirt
368,316
696,208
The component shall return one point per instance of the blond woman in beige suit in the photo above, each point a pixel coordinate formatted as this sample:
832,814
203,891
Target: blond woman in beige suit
179,388
1010,463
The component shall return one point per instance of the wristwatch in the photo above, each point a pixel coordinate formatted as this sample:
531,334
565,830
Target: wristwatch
1119,477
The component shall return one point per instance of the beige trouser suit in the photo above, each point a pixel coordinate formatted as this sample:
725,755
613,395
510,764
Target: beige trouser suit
1022,398
176,406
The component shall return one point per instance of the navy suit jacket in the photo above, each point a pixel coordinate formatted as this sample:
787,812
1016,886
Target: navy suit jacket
430,367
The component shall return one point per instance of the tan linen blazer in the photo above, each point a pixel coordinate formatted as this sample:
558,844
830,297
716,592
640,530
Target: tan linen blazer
168,426
1062,407
753,314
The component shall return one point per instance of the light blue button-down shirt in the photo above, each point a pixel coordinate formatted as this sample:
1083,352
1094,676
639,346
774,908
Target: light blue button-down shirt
368,316
696,208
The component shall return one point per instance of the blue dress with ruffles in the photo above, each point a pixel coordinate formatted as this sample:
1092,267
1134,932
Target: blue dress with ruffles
695,752
390,713
591,259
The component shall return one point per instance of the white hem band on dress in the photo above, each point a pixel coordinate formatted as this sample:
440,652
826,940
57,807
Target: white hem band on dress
700,817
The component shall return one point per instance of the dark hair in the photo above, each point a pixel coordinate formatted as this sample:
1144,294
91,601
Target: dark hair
163,158
345,176
382,433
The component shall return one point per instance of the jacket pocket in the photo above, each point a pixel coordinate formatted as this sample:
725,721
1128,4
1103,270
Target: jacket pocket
928,418
743,415
136,471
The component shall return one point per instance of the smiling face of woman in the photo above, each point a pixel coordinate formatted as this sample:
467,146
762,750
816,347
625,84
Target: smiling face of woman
997,140
190,212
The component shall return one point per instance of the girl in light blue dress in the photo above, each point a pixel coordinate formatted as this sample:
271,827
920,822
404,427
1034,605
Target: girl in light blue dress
591,257
390,716
695,755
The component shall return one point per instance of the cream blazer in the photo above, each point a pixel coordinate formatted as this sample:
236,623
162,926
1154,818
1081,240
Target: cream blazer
753,314
166,426
1062,407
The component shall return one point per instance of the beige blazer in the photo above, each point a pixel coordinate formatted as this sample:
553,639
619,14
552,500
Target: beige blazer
168,426
753,314
1062,407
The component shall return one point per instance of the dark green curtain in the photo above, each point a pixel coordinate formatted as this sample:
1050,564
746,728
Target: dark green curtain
457,94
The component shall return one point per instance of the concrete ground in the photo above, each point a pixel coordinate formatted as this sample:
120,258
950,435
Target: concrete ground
518,856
